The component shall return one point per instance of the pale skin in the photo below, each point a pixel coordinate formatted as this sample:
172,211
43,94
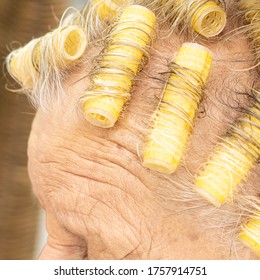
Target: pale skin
100,202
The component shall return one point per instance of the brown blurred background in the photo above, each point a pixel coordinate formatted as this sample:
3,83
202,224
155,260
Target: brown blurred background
20,20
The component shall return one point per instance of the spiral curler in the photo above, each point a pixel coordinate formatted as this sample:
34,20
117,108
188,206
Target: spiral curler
173,121
205,17
250,234
232,159
251,11
38,66
117,66
107,9
20,65
60,47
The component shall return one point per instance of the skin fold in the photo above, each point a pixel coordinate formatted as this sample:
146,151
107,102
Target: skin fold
101,203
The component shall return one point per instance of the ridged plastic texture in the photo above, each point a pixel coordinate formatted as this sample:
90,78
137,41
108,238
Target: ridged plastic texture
232,159
118,65
173,121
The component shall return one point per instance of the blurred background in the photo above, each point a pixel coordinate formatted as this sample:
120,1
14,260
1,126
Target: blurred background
21,221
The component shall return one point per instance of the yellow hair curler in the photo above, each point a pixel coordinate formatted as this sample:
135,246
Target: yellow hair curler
118,65
250,234
232,160
251,10
21,67
206,17
173,121
58,48
107,9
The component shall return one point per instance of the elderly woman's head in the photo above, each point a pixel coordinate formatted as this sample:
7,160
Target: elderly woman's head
145,123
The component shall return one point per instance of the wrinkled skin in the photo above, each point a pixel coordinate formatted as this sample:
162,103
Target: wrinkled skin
99,200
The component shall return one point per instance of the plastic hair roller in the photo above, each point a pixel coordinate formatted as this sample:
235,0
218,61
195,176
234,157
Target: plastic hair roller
250,234
232,159
251,10
107,9
173,121
205,17
61,47
58,48
20,65
208,19
118,66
